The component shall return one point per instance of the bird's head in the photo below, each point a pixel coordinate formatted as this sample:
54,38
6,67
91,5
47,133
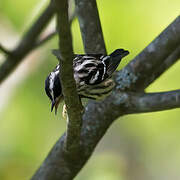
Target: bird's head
53,89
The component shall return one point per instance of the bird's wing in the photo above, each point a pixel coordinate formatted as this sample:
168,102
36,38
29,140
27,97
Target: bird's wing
88,70
93,69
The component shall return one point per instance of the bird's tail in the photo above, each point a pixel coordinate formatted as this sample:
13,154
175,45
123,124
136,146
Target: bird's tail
115,59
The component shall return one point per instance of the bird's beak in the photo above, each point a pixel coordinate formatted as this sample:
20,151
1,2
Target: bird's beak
52,105
55,104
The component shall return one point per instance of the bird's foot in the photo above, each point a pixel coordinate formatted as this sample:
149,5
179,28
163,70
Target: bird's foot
64,112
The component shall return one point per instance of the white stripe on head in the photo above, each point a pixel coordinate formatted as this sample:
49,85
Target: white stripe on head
51,82
57,68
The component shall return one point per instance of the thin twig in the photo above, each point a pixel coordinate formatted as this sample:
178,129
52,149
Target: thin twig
151,102
27,43
90,26
73,104
136,74
45,39
52,34
4,50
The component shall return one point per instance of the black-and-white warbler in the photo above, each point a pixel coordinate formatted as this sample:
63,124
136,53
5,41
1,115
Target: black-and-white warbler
92,73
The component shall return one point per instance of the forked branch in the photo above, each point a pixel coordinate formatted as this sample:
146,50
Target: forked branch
26,44
99,115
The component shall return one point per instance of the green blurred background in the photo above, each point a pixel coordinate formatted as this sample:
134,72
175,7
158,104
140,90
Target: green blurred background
144,146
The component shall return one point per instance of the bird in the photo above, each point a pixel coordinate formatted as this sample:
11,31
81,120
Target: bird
92,74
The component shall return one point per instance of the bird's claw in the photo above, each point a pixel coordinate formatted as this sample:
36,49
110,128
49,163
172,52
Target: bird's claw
64,112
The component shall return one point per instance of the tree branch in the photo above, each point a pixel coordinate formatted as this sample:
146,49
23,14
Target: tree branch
53,33
4,50
73,104
26,44
151,102
90,26
45,39
136,74
168,62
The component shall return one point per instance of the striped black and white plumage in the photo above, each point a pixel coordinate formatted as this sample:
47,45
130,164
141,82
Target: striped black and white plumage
92,73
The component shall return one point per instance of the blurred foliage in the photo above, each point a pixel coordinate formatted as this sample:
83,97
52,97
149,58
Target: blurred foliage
28,129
